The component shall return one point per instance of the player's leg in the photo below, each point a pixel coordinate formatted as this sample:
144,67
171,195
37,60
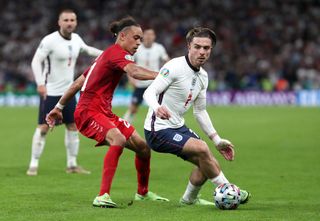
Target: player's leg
71,139
142,163
197,152
39,136
137,98
37,146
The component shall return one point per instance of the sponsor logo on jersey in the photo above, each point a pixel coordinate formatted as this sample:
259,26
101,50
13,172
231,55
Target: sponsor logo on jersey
129,57
164,72
177,137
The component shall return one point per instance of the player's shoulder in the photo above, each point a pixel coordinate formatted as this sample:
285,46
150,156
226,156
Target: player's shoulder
177,62
51,37
115,51
75,36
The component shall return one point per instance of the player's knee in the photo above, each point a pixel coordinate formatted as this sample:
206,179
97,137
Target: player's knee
118,140
203,151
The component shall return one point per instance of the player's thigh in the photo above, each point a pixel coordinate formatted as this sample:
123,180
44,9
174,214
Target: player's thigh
194,148
137,96
137,144
45,106
170,140
68,111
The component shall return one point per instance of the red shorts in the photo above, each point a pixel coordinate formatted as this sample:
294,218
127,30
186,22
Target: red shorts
96,125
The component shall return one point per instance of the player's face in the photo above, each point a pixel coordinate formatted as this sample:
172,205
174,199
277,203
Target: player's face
132,38
148,37
67,22
199,50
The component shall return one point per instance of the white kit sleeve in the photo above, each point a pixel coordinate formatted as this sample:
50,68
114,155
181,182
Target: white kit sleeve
162,81
89,50
42,52
202,117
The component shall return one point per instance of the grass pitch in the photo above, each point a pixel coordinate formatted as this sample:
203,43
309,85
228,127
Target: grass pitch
277,160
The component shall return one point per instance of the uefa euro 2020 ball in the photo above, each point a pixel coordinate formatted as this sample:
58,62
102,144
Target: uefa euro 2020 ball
227,196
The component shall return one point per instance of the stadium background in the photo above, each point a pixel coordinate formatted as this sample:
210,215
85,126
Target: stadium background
269,46
267,51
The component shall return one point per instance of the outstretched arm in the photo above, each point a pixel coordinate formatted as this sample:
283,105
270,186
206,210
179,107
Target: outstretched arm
55,115
224,146
139,73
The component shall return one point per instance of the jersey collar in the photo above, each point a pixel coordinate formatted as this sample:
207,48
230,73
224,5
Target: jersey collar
64,36
190,65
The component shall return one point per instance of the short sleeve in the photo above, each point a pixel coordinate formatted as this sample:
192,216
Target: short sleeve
120,58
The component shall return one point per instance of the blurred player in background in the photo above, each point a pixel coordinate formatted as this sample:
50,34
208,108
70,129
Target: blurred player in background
94,116
181,83
152,56
53,66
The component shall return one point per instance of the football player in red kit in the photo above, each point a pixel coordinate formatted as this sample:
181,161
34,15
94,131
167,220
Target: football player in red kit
94,117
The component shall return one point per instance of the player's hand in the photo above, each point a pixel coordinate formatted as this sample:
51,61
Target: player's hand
163,113
54,117
225,147
42,91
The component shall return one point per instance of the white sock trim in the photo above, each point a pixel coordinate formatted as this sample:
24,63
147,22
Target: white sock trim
191,192
220,179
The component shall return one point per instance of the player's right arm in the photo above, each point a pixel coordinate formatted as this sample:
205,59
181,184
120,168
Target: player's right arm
139,73
42,52
55,115
159,85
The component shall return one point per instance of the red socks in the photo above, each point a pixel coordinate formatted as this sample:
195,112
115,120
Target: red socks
143,171
109,168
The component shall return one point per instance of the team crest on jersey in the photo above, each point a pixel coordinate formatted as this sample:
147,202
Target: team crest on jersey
177,137
129,57
164,72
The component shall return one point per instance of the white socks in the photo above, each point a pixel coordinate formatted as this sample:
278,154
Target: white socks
38,143
191,192
220,179
71,140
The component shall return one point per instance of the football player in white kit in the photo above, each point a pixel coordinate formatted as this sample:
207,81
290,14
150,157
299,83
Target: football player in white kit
53,66
183,82
152,56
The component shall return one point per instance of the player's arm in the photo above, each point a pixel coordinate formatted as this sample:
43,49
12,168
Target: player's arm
159,85
92,51
55,115
36,65
224,146
139,73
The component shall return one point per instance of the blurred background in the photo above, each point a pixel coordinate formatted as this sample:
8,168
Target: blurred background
263,46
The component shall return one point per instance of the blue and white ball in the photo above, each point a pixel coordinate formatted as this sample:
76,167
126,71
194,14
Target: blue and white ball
227,196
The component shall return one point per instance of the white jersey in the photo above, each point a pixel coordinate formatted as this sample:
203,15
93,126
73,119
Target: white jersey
151,59
54,61
180,85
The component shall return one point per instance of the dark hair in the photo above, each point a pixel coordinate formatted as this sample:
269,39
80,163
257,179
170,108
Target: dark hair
66,10
201,32
116,26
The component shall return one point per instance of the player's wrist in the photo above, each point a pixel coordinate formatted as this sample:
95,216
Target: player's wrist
215,138
60,106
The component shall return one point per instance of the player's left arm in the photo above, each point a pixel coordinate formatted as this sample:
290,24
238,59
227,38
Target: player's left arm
92,51
225,147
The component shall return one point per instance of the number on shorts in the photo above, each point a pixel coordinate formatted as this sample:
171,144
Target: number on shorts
126,123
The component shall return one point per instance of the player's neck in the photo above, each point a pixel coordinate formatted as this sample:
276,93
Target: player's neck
65,35
192,66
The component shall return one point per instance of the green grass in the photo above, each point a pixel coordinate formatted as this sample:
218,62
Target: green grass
277,159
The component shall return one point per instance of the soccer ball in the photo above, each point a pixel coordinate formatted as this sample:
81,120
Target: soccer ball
227,196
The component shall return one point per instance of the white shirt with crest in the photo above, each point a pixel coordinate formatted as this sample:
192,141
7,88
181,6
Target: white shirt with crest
54,61
178,86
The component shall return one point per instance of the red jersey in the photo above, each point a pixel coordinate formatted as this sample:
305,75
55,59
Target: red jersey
102,79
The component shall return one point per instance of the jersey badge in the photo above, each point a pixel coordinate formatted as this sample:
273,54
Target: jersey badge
177,137
129,57
164,72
